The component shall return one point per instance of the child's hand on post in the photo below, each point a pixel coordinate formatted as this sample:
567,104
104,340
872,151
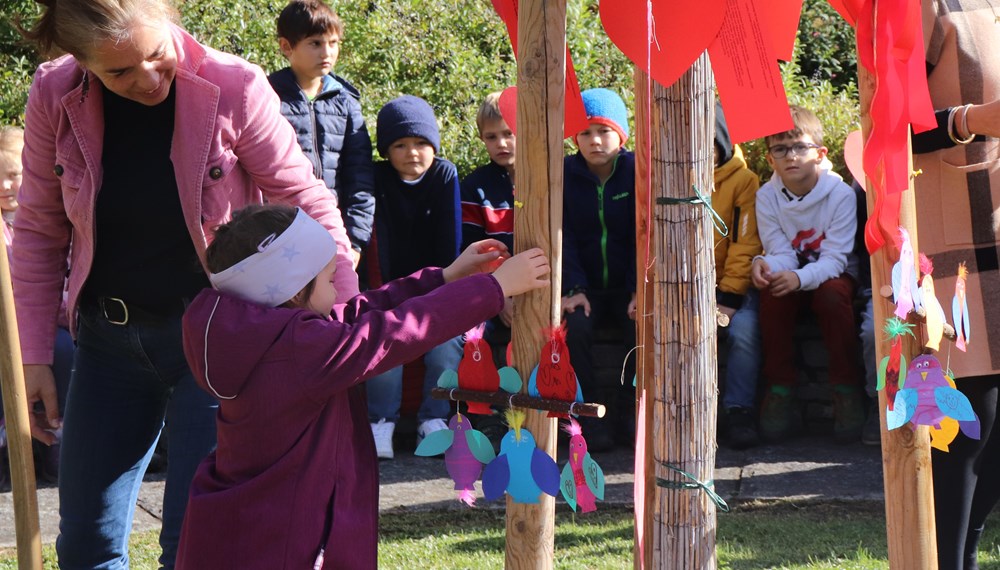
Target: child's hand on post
523,272
480,257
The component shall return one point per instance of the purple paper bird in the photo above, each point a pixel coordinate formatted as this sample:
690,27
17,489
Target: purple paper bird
465,451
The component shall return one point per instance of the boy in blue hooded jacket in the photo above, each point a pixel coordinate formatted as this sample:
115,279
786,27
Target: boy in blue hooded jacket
324,110
599,272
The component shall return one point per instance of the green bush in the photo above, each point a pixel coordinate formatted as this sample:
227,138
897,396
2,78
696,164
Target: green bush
452,53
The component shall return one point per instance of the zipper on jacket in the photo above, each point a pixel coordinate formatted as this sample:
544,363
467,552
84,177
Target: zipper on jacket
604,226
317,160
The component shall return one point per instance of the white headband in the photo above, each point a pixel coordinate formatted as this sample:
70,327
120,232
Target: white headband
283,264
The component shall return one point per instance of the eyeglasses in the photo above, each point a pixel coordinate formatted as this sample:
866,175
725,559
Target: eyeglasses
797,149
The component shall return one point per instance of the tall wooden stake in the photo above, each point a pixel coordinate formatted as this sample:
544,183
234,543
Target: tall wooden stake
906,453
541,80
645,473
682,394
15,403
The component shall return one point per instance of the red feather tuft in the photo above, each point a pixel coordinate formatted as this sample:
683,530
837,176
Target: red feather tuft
556,333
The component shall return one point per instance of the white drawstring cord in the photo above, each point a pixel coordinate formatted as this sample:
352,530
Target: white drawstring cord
207,381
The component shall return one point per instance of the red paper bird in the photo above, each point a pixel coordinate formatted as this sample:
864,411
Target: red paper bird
476,370
554,377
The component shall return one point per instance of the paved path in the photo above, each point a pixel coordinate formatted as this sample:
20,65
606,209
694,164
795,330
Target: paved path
811,468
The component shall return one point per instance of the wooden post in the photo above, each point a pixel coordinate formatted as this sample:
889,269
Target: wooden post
645,361
906,453
541,80
683,392
15,403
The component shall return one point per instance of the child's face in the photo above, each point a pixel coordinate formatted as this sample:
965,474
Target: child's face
411,157
797,161
324,293
599,144
10,179
314,56
499,141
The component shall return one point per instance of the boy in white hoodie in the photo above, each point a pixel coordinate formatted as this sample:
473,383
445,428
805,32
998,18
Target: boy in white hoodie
806,220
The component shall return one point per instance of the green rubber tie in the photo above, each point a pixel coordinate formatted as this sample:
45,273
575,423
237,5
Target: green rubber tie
699,198
707,486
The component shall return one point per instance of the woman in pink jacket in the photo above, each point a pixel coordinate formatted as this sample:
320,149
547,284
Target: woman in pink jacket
138,141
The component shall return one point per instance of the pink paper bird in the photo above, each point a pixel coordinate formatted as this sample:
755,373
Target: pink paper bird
582,480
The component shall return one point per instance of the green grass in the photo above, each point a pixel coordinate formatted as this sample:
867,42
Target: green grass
780,535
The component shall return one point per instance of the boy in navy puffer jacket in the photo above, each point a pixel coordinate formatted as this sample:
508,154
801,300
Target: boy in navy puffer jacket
325,112
598,273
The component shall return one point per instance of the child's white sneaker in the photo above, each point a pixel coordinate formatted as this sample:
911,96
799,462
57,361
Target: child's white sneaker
382,432
428,427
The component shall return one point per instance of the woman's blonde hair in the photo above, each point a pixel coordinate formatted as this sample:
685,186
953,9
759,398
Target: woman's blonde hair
76,26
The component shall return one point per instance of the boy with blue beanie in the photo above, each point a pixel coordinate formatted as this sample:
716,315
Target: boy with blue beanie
325,112
599,257
417,225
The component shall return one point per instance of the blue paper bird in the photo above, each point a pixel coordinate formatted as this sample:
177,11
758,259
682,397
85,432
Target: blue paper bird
521,469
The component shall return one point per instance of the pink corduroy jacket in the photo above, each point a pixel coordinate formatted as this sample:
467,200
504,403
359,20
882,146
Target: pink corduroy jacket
231,147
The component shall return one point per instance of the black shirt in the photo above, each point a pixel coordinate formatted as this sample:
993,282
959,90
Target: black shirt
143,252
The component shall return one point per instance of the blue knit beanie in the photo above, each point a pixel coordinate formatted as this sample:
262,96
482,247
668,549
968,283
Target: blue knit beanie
605,107
406,116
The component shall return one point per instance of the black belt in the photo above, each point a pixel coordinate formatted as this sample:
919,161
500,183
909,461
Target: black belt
119,312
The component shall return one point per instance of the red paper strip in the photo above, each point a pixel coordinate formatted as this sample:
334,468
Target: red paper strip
747,75
900,99
575,116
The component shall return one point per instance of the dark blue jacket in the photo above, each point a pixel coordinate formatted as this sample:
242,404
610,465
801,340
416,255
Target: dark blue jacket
598,246
488,206
333,124
416,226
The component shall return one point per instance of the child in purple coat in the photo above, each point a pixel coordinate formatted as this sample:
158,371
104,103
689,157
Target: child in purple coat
295,473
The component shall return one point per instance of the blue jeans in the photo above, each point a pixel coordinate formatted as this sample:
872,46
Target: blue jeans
385,391
867,337
126,381
743,364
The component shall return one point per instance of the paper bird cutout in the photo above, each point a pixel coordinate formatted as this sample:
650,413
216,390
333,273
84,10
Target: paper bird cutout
521,470
476,371
960,310
465,450
934,313
929,398
905,292
890,375
582,481
553,377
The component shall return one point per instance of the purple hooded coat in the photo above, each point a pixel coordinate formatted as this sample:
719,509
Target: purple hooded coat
295,468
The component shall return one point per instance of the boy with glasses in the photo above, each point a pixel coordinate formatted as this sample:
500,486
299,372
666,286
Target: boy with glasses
806,217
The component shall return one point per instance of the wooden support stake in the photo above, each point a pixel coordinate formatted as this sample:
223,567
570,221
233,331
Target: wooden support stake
683,391
15,403
541,85
520,400
645,362
906,454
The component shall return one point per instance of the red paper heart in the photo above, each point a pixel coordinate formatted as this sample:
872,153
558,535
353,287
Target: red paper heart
681,31
508,107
